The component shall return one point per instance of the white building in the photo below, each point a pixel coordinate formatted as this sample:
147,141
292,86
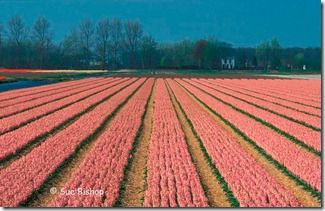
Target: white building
228,63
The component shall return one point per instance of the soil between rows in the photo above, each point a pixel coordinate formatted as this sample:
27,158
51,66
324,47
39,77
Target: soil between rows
135,186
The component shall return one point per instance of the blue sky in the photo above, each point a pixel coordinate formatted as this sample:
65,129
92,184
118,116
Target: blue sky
240,22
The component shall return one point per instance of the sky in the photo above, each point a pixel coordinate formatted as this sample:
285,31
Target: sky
244,23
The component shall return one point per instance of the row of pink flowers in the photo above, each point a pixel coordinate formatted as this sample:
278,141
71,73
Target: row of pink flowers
301,163
8,95
291,86
265,97
22,177
2,78
252,185
172,178
12,141
8,123
36,97
11,110
103,167
282,94
299,116
302,98
304,134
304,87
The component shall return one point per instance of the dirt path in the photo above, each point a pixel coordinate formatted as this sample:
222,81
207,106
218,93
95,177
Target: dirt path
211,186
135,186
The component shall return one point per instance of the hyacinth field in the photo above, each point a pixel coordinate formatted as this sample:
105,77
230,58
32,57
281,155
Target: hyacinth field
162,142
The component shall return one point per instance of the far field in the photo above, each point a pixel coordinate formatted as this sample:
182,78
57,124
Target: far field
162,142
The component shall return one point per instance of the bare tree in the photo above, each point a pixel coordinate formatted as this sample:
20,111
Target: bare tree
70,49
17,34
102,39
198,51
132,39
148,52
1,38
42,37
86,31
275,54
182,53
263,54
115,27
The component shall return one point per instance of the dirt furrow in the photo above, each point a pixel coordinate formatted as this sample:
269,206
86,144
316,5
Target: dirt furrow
210,183
135,186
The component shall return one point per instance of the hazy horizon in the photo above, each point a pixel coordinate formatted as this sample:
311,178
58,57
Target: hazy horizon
295,23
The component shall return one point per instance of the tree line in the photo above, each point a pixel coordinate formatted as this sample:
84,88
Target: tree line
117,43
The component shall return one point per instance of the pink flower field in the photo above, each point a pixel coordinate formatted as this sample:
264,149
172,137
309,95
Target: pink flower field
162,142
